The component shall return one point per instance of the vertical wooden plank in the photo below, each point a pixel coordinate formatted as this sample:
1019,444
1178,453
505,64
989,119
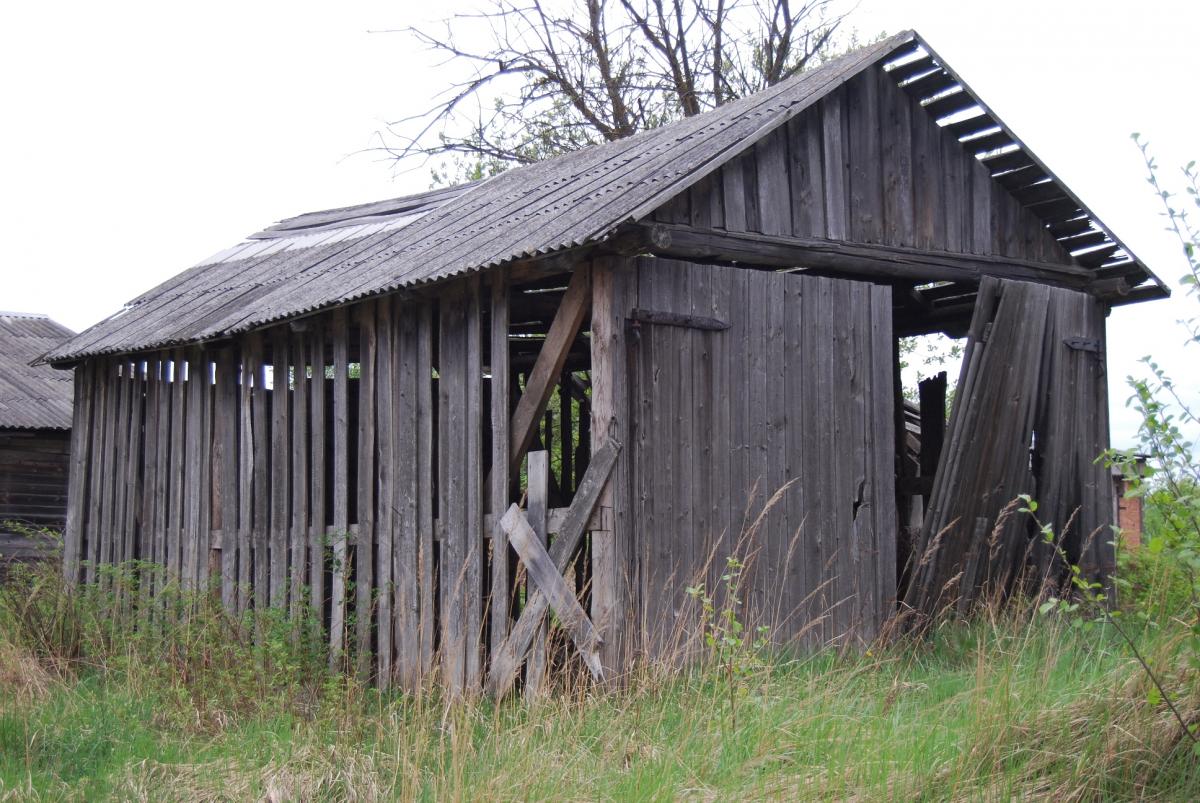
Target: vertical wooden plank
385,408
500,475
81,431
408,467
177,479
207,567
162,469
261,517
955,206
317,474
774,196
981,208
191,468
149,480
897,161
834,168
425,474
225,421
883,433
800,467
806,174
90,548
733,188
538,508
280,473
866,169
245,473
613,605
300,525
340,337
114,546
364,544
452,447
473,575
928,208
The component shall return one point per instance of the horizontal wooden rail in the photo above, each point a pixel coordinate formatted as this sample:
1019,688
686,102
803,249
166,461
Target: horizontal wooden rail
850,259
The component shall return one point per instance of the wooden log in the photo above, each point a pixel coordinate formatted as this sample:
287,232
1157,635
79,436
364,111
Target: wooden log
541,568
848,260
573,308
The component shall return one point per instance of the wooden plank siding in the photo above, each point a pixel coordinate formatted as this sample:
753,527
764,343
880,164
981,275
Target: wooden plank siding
869,165
797,392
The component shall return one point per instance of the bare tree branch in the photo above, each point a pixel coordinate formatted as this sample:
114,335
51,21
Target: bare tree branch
558,75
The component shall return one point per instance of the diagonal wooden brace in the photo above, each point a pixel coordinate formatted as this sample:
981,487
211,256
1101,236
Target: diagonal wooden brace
553,587
508,658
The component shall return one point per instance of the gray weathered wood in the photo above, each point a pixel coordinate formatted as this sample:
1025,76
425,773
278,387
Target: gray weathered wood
507,660
572,310
364,544
541,569
500,477
538,472
340,339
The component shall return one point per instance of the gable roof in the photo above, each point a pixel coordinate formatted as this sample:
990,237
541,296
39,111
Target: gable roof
32,397
329,258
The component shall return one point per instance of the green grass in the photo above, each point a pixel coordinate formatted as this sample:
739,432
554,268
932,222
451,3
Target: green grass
1024,706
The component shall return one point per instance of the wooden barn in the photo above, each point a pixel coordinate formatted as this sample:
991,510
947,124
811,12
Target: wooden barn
583,384
35,432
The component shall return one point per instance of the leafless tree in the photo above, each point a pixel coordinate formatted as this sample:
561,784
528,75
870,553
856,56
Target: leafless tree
547,77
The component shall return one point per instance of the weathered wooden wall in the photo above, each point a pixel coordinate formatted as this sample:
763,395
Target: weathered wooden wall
33,489
794,396
868,165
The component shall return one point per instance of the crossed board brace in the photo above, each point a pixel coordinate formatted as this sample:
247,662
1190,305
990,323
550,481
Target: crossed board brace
545,569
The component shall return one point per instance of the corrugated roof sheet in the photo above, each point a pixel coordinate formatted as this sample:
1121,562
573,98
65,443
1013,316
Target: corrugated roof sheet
32,397
536,209
328,258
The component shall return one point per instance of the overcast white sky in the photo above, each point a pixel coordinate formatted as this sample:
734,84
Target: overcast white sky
140,137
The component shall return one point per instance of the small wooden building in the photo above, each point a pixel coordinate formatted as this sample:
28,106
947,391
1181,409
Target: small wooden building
634,350
35,430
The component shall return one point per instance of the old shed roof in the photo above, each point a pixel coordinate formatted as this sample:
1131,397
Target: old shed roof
32,397
328,258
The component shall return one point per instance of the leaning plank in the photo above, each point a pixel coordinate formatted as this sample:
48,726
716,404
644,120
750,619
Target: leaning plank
546,575
546,370
508,658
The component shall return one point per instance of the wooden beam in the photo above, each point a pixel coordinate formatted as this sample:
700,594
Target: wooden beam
546,575
842,259
571,312
508,658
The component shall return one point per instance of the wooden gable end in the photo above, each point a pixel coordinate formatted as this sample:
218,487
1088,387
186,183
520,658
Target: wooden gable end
867,164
